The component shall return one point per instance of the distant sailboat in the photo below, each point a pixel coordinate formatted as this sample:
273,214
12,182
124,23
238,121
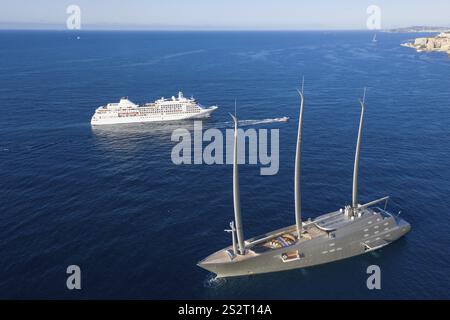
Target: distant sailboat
374,38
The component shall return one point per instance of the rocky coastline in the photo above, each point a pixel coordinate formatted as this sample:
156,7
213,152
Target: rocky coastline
439,43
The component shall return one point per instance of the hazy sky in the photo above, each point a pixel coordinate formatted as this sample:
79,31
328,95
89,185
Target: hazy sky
223,14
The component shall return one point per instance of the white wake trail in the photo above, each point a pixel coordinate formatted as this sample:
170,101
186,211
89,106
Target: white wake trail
262,121
212,281
249,122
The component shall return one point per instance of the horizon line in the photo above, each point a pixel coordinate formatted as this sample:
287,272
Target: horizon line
179,30
207,30
53,27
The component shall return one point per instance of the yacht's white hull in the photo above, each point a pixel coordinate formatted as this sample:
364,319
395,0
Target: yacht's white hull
152,118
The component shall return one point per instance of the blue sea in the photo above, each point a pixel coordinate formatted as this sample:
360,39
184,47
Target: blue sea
111,201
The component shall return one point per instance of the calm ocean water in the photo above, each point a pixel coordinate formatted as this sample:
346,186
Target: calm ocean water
111,201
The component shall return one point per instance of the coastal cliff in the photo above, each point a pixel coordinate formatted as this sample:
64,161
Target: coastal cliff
440,43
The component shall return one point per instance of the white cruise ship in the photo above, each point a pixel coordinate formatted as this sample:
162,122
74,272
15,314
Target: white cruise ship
176,108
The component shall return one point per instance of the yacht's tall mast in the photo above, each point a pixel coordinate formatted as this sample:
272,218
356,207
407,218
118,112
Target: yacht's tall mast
298,204
236,195
356,165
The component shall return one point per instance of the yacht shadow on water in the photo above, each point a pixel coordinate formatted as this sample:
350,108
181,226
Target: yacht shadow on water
131,135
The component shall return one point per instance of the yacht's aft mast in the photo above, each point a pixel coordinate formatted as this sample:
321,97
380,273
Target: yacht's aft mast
356,166
298,205
236,196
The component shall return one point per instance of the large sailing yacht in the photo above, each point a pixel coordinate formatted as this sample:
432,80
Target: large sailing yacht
353,230
176,108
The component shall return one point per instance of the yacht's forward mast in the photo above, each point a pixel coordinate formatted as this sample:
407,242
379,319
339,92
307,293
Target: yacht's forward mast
238,230
356,165
298,153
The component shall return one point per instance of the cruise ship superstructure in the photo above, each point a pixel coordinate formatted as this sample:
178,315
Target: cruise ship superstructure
353,230
175,108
